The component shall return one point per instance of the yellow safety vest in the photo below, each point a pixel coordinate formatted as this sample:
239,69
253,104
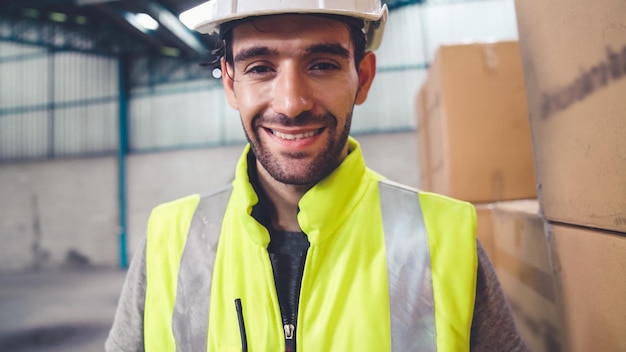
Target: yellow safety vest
388,269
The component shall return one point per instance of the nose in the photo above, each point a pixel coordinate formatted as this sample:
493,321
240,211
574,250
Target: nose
292,93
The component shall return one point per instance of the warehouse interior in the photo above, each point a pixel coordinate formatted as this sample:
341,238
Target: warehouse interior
111,107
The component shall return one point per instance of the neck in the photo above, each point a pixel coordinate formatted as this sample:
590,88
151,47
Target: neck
283,199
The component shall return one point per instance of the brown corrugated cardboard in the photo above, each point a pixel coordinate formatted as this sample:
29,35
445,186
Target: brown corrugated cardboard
478,141
524,266
591,271
574,59
484,228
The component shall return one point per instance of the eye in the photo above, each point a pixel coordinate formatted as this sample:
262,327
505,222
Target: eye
324,66
258,70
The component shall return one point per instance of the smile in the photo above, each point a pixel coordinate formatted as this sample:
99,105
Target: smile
293,137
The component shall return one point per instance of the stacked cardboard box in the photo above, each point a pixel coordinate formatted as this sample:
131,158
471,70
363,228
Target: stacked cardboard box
574,60
474,144
472,129
525,269
590,271
473,133
560,258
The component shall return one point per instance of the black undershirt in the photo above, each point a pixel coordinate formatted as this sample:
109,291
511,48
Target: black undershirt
287,252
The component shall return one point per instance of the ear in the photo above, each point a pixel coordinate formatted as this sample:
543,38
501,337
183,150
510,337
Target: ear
229,84
367,71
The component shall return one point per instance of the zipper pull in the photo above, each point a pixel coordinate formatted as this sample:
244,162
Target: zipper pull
289,329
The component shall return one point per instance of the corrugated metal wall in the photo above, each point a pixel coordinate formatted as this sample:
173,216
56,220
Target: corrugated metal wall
23,97
85,94
56,104
182,115
65,104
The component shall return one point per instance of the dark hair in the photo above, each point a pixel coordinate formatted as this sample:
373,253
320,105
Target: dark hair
225,44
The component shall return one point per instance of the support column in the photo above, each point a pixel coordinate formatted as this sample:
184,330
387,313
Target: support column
123,149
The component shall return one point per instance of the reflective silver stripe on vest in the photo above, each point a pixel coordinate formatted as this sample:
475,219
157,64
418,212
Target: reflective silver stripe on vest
408,270
190,321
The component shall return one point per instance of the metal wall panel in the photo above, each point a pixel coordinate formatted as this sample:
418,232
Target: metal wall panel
390,103
401,62
9,50
233,132
24,83
56,104
82,77
181,115
86,130
403,40
152,71
24,136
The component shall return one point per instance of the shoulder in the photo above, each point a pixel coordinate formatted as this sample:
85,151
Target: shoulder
450,224
446,208
186,206
441,201
433,202
168,225
176,206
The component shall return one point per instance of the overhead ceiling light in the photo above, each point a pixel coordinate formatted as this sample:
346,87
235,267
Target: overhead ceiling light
58,17
147,21
30,13
196,15
80,19
141,21
168,51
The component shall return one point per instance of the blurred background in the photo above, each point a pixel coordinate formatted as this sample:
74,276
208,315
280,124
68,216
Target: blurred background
110,107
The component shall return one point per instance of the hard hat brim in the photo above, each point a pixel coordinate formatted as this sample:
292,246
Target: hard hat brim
374,21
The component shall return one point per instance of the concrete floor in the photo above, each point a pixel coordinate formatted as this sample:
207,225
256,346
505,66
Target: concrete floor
68,310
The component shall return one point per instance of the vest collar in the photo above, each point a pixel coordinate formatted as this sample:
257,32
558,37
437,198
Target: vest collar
322,209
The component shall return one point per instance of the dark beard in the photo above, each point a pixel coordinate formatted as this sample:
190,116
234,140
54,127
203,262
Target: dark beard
317,169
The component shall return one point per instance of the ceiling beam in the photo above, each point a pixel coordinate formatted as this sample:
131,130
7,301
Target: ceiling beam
171,22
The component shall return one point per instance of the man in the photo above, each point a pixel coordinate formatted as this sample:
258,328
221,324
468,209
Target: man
308,249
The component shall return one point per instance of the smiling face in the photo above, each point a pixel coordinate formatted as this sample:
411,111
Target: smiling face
295,84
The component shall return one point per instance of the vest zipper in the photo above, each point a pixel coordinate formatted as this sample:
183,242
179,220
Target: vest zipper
289,329
289,340
289,323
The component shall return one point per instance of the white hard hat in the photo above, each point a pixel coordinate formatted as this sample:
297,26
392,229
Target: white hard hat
207,17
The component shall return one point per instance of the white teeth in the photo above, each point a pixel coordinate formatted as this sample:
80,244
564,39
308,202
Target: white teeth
292,137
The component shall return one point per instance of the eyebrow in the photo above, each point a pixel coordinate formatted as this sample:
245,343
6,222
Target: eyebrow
325,48
247,53
330,48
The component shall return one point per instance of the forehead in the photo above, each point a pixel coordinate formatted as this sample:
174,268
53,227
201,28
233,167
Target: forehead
283,28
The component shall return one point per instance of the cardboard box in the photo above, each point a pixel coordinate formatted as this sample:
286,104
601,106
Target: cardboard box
591,271
574,59
478,145
524,267
484,229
